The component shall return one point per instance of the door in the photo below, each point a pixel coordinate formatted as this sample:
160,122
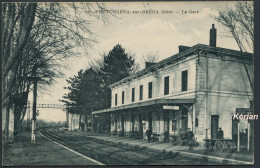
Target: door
115,120
214,126
123,124
166,126
234,129
150,122
140,126
132,123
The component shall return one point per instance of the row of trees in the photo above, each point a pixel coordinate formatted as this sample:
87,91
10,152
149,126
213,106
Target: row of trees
89,89
36,39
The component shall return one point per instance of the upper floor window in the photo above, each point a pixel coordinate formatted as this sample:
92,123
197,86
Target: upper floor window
141,92
184,80
166,85
123,97
115,99
150,90
133,94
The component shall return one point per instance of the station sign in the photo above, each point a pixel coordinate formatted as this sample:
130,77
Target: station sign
171,107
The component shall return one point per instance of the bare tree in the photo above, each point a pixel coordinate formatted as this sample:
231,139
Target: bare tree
151,57
239,21
37,37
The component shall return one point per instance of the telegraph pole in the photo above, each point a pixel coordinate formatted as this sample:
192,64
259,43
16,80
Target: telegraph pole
35,80
34,110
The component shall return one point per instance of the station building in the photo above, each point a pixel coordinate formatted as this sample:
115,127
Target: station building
198,88
73,121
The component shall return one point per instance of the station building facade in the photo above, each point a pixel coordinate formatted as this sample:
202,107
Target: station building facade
198,88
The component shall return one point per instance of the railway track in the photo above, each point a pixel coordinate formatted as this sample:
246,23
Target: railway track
105,152
110,153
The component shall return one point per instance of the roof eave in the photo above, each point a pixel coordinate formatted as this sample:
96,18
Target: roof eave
178,55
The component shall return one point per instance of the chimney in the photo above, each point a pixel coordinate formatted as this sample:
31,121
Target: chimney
213,36
149,64
183,48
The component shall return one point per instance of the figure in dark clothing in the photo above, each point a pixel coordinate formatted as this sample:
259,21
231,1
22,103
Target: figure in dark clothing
220,133
190,136
148,134
82,126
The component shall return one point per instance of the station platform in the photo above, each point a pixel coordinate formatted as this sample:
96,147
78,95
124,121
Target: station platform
43,152
237,158
48,153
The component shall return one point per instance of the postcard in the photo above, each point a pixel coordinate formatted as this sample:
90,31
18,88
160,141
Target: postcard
128,83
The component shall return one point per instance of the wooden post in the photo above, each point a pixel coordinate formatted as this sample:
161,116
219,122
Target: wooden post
248,136
92,122
206,133
238,137
193,118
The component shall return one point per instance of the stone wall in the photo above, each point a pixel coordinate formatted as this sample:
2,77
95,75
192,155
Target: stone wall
228,89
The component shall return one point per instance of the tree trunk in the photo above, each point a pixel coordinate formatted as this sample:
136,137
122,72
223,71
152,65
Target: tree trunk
6,129
80,121
86,122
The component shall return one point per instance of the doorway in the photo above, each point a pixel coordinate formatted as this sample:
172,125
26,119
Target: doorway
214,126
166,126
140,126
150,126
123,124
132,123
234,129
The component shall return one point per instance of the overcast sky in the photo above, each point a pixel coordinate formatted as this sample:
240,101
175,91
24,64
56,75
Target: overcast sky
141,34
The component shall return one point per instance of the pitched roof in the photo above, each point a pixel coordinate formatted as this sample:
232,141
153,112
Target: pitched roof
187,52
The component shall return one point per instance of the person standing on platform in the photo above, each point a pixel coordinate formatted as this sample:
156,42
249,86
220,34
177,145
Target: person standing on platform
190,136
220,133
149,134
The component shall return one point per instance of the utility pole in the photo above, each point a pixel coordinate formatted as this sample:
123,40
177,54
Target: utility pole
34,110
35,80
